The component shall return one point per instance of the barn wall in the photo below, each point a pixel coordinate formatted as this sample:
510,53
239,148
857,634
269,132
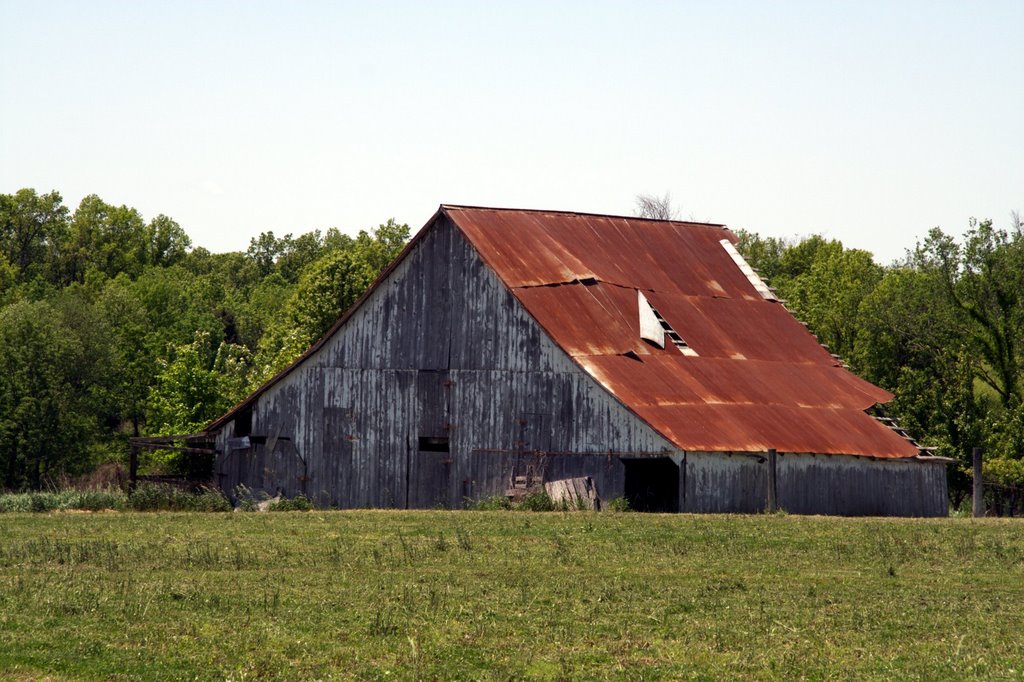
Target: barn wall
857,486
717,482
816,484
440,349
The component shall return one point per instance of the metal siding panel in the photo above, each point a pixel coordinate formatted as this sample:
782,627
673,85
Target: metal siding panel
717,483
852,486
815,484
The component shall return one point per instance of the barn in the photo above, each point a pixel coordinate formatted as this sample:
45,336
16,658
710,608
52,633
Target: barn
504,349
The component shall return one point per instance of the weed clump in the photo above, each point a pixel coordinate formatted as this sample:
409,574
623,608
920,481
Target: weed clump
166,497
298,503
41,502
538,500
492,503
618,504
247,500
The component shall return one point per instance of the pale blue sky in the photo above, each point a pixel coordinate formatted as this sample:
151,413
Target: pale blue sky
868,122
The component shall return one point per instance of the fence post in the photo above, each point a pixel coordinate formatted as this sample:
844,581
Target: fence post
772,499
979,489
133,468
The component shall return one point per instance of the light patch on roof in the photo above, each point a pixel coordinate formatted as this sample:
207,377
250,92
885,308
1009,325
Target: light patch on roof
748,271
650,326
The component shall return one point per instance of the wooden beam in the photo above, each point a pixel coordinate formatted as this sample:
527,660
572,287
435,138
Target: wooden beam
142,440
133,469
178,448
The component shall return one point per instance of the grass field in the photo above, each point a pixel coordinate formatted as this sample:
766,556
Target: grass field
507,595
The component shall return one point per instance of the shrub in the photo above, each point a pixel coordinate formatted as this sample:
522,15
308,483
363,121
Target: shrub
538,500
43,502
618,504
210,500
297,503
96,500
15,502
86,500
1003,471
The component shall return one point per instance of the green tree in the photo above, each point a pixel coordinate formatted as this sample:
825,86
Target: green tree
984,280
45,427
8,276
195,385
906,321
111,239
168,243
32,228
764,254
134,344
828,293
263,252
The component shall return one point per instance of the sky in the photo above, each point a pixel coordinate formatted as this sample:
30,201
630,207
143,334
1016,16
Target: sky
868,122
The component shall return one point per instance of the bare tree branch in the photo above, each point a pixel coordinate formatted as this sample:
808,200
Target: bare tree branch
659,208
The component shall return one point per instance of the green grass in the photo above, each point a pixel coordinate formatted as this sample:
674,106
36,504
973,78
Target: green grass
147,497
507,595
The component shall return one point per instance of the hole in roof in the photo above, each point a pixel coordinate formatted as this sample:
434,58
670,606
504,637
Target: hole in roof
654,327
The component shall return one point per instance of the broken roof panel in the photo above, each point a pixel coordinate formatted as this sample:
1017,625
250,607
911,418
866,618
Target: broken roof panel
761,379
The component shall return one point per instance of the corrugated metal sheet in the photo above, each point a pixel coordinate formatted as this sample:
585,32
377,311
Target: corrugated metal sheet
761,379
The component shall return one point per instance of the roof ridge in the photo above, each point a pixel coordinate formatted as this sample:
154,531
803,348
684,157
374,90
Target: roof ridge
585,214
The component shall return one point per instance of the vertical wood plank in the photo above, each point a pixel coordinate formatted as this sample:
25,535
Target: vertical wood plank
979,487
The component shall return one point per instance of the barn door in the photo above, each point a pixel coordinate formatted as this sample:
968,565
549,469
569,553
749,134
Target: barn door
430,462
652,484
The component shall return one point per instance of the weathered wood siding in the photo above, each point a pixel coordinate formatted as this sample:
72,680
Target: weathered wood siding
441,349
815,484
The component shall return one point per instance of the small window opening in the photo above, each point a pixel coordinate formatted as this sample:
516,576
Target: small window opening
243,423
673,335
433,444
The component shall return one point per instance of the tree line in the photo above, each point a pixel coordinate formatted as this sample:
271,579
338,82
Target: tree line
942,329
112,326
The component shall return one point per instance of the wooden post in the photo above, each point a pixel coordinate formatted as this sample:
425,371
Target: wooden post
979,489
133,468
772,499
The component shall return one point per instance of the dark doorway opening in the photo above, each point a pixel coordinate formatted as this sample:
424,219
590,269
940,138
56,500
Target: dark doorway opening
433,443
652,485
243,422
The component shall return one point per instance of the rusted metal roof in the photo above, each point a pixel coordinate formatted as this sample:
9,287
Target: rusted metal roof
759,379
